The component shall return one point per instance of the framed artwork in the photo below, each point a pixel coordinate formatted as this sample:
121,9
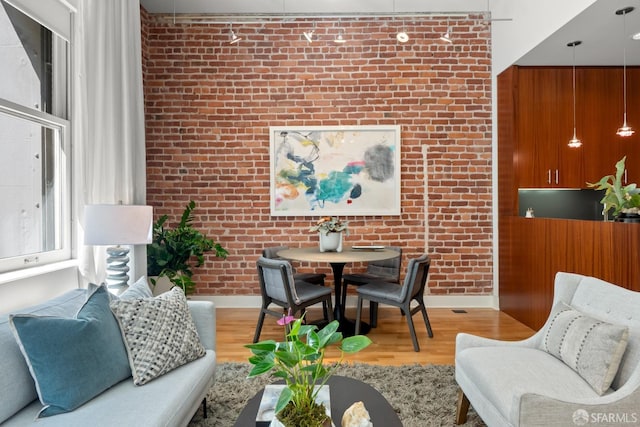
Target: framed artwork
335,170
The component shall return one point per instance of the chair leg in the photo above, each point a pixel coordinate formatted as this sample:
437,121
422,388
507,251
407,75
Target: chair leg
412,330
204,408
463,408
373,314
325,311
358,314
256,337
423,309
329,316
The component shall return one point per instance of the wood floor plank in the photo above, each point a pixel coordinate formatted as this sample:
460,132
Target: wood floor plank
391,339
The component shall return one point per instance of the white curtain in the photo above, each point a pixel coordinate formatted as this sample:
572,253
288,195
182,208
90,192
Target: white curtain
108,119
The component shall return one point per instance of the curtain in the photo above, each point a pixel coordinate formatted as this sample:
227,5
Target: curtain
108,119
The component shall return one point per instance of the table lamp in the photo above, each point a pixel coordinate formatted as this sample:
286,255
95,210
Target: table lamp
117,225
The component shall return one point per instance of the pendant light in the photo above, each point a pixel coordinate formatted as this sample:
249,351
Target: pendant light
624,130
574,142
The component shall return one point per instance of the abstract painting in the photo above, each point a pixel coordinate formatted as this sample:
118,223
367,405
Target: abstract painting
341,170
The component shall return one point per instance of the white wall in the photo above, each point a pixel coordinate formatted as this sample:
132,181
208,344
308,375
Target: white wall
532,22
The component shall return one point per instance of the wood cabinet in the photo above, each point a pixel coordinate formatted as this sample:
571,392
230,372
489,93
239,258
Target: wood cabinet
532,135
543,124
544,119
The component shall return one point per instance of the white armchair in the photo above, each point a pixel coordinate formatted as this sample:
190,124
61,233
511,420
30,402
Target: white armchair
524,384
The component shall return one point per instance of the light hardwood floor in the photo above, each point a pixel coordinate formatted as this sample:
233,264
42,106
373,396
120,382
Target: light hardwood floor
391,339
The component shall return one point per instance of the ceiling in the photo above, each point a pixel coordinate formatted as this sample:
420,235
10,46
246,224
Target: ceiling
598,27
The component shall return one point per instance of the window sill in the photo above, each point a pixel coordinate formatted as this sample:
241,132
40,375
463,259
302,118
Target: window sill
26,273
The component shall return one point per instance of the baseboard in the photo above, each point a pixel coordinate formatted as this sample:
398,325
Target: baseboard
436,301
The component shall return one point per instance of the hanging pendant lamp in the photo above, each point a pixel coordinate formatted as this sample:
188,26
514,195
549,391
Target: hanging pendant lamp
624,130
574,142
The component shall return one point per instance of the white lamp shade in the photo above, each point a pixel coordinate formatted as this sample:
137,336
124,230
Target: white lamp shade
117,224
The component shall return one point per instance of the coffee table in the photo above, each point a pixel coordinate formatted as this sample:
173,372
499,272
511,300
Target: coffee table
344,393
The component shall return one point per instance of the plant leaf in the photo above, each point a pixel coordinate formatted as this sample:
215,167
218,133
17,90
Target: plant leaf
285,397
355,343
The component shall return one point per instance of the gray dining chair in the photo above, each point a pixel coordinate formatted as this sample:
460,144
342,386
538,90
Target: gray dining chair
412,289
387,270
271,252
278,287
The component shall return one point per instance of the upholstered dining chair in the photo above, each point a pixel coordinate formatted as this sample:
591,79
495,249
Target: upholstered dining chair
278,287
387,270
412,289
271,252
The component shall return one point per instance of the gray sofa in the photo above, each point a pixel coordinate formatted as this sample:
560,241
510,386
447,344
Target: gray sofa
170,400
522,384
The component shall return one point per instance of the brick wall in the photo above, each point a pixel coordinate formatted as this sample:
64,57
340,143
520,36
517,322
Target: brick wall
209,106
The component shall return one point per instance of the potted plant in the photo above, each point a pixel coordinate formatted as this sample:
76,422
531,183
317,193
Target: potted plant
624,200
299,362
174,252
330,230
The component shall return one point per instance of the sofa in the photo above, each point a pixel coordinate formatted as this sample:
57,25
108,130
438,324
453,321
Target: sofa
582,367
170,399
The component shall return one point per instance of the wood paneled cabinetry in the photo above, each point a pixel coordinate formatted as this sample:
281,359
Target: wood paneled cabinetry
543,125
535,123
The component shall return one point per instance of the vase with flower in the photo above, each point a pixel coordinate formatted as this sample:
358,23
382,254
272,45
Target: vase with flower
299,361
329,229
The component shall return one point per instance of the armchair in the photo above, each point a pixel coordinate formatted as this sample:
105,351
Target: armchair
522,384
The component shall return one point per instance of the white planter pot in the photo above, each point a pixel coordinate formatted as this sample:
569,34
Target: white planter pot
330,242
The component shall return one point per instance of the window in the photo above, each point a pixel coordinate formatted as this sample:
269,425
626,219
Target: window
34,142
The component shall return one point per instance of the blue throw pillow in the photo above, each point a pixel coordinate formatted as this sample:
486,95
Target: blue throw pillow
72,359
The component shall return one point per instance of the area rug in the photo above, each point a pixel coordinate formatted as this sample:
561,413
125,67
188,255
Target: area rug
421,395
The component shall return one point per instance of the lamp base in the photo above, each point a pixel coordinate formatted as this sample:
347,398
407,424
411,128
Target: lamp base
117,268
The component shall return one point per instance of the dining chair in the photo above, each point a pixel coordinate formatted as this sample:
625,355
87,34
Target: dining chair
271,252
412,289
278,286
387,270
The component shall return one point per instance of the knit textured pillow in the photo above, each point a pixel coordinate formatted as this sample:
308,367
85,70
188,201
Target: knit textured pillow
159,334
591,347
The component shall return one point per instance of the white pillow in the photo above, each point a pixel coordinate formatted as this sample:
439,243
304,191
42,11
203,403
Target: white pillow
591,347
159,334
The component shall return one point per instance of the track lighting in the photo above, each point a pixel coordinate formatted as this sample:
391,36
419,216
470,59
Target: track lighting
340,39
309,36
574,142
233,37
624,130
446,37
402,36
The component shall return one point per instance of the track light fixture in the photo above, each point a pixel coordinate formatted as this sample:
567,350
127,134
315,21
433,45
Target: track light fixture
574,142
310,35
233,37
402,36
340,39
624,130
446,37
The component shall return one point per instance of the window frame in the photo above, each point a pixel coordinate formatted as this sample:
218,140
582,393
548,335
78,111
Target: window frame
61,127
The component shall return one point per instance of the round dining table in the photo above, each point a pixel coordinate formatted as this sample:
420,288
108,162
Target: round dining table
338,260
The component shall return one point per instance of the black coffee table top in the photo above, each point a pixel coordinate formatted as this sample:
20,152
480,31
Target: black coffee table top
344,393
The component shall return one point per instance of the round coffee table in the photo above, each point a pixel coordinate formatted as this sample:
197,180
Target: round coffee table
344,393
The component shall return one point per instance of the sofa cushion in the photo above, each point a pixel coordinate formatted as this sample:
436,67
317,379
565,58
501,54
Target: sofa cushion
140,289
159,334
72,359
16,377
591,347
504,374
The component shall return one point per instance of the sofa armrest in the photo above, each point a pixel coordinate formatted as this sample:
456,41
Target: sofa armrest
204,316
464,341
617,407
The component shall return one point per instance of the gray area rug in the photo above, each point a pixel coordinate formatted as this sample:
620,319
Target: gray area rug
421,395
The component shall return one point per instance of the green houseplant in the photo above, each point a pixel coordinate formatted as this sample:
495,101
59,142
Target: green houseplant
174,252
622,199
299,362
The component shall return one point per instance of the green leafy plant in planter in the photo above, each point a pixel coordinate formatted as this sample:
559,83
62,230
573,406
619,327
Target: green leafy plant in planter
623,199
174,252
299,362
